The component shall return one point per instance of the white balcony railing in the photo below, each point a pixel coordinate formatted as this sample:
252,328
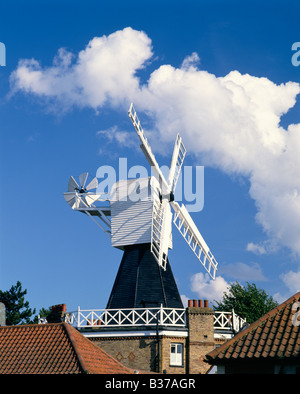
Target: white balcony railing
228,321
126,317
145,317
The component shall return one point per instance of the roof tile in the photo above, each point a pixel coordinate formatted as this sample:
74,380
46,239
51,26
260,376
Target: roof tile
55,348
272,336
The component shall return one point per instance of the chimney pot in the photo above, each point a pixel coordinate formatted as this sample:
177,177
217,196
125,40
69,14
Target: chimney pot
190,303
205,303
195,303
200,303
59,308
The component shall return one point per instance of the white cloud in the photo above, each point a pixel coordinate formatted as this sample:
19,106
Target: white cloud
184,300
292,280
264,247
256,248
245,272
115,135
233,122
191,62
103,73
206,288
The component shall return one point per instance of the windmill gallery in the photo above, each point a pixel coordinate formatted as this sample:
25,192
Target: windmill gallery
144,323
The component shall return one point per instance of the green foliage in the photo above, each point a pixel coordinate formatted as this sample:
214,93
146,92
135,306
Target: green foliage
17,309
247,301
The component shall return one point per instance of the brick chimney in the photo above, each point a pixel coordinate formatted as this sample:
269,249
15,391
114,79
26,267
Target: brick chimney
200,321
57,313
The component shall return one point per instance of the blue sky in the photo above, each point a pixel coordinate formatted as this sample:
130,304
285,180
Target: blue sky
218,72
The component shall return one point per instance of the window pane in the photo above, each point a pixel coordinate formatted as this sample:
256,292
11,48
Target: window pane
176,356
173,359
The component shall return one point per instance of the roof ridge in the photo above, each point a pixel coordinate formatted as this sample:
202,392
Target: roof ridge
53,348
253,327
272,312
81,360
38,325
70,330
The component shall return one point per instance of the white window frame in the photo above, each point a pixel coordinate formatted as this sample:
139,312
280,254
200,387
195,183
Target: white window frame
176,357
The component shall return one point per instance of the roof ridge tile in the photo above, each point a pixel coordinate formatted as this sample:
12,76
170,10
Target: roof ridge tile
272,335
52,348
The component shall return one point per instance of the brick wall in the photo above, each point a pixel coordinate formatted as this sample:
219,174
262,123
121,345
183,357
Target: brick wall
142,353
134,352
200,320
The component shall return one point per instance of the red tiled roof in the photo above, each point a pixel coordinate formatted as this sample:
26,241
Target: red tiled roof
56,348
273,336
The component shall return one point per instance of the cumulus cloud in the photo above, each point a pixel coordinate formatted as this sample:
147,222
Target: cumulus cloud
115,135
264,247
244,272
191,62
292,280
102,73
184,300
233,122
204,287
256,248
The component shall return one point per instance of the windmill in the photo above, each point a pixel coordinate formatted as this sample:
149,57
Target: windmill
82,199
139,221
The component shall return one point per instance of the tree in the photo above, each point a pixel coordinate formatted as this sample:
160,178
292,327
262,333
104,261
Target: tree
17,309
248,301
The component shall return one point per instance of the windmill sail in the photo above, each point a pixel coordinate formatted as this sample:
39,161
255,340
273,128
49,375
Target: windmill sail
72,185
82,179
162,217
70,199
93,184
161,232
176,163
194,239
147,149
